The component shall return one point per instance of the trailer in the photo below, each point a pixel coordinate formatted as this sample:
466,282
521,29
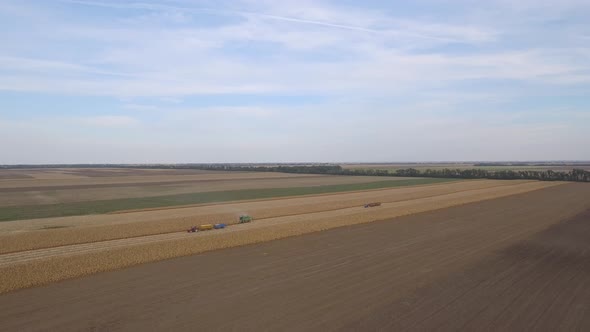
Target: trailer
368,205
205,227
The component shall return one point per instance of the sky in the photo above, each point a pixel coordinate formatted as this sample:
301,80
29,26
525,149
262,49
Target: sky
103,81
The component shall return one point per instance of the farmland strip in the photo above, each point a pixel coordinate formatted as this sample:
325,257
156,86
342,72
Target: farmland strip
108,227
17,275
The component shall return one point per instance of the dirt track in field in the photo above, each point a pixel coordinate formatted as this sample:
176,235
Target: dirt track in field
503,264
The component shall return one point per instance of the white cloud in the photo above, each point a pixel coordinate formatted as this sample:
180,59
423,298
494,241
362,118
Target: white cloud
41,66
171,100
382,72
421,79
111,121
240,111
140,107
367,51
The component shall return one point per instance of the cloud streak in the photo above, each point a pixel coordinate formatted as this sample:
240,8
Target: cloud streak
316,76
220,11
109,121
433,30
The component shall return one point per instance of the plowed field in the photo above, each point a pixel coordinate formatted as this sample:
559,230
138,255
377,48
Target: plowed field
519,262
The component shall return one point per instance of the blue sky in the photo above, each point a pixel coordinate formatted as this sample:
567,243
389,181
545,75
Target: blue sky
257,81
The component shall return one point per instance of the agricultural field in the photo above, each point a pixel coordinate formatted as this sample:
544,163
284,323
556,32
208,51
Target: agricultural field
468,255
108,184
40,250
68,192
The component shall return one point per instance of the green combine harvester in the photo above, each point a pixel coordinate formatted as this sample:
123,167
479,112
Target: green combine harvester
244,219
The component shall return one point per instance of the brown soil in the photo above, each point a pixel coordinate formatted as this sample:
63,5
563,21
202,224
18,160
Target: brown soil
541,283
4,175
503,264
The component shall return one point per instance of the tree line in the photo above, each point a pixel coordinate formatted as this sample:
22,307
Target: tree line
578,175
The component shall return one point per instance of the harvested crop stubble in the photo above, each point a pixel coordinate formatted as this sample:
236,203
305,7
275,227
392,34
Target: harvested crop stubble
109,227
44,271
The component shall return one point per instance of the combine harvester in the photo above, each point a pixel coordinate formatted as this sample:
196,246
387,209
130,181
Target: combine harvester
244,219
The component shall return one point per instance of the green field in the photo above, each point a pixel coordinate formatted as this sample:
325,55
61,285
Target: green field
106,206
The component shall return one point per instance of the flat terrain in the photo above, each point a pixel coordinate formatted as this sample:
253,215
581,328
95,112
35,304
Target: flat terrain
50,232
520,262
51,186
424,166
49,193
39,251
